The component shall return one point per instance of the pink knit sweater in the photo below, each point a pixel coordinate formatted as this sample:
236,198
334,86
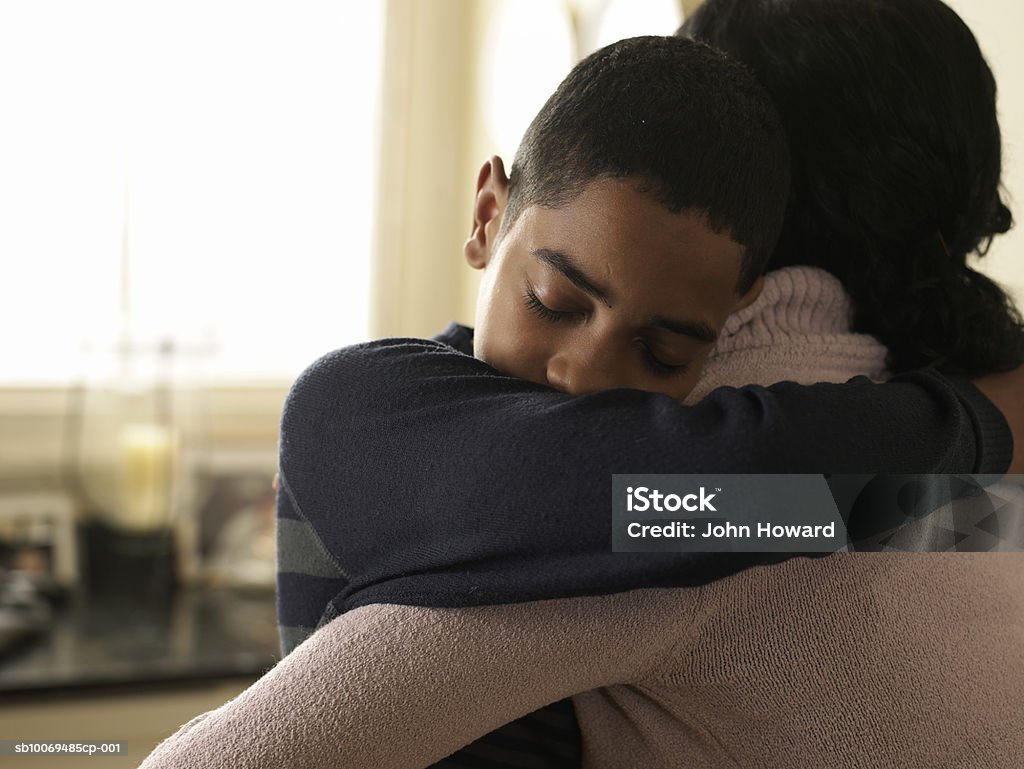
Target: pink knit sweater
880,660
797,330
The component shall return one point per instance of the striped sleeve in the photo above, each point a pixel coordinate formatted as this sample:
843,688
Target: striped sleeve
308,577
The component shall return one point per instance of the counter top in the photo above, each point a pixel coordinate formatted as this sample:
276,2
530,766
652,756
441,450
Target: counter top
116,641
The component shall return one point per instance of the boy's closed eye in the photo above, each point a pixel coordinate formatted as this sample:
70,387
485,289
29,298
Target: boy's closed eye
538,307
660,358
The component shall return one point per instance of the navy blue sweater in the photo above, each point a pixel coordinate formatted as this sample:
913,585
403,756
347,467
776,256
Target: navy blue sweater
419,475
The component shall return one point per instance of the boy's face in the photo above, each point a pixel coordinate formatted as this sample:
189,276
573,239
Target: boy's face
611,290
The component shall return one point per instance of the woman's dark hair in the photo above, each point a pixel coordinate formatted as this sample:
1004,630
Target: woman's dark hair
689,124
890,111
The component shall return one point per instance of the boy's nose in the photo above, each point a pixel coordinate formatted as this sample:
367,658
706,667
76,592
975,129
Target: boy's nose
579,373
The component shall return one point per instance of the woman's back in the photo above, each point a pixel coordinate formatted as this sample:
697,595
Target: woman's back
855,660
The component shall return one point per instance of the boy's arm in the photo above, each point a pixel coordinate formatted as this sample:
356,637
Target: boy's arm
432,480
397,686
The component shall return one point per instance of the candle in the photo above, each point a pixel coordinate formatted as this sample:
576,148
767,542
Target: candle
147,468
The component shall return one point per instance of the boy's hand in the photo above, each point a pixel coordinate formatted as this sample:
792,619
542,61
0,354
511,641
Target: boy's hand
274,482
1006,391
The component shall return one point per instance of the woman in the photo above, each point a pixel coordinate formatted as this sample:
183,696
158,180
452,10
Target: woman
840,661
890,109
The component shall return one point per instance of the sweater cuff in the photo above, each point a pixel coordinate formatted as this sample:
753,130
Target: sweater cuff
991,430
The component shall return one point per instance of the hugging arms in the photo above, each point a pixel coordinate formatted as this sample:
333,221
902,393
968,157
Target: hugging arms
403,685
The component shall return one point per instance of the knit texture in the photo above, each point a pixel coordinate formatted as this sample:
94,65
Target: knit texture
797,330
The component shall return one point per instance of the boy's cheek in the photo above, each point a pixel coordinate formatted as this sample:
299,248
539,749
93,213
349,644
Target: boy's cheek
511,360
503,339
508,350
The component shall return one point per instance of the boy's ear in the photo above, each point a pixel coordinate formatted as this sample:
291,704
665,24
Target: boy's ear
488,210
751,296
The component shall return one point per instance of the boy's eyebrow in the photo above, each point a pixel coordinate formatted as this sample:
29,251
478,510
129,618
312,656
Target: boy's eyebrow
561,261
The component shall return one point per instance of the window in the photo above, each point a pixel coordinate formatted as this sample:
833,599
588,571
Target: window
199,173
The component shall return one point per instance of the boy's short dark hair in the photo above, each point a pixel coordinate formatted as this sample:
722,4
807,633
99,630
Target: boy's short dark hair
694,128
